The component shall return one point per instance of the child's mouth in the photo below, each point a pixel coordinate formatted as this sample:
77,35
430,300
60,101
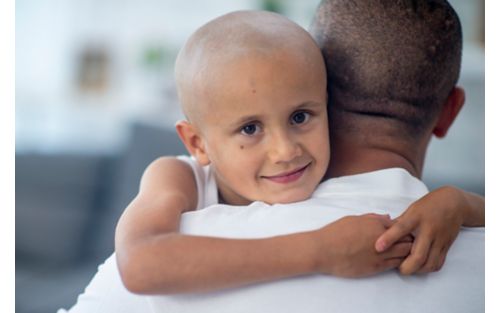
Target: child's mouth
288,177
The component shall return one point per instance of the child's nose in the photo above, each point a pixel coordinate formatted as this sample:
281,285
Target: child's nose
284,148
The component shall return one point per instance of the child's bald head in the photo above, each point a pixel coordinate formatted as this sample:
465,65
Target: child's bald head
253,88
243,36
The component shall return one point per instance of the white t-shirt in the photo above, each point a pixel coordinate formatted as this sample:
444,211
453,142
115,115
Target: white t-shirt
458,287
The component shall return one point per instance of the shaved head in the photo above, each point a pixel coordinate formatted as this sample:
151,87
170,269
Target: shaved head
235,37
393,60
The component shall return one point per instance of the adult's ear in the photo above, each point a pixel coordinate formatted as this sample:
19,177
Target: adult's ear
193,141
449,112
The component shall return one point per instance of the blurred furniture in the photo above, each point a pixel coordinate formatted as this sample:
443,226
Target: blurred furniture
67,207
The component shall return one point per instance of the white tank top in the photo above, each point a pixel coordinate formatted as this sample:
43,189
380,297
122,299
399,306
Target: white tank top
205,182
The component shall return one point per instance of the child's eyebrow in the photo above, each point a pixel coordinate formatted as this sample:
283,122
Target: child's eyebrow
245,119
309,104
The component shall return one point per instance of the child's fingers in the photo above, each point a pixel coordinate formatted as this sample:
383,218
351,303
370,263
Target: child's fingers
385,219
407,238
390,264
432,263
443,258
402,227
436,258
418,256
399,250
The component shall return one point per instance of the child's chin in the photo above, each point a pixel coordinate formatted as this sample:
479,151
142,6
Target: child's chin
291,198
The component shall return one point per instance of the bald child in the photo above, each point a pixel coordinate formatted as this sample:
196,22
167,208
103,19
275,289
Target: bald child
252,86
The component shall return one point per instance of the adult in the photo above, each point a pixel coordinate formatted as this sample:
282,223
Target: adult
392,69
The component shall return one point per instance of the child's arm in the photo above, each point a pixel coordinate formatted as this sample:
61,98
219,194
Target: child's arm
153,257
435,221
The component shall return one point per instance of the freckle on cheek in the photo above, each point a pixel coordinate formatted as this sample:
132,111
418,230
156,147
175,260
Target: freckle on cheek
254,91
242,147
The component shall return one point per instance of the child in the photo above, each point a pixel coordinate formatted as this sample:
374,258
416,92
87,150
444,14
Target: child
253,88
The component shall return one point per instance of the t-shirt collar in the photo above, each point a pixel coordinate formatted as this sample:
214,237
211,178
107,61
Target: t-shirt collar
387,182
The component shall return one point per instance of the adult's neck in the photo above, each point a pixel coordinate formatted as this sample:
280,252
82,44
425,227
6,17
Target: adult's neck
352,156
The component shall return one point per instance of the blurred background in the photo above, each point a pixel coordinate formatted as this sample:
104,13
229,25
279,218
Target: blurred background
96,103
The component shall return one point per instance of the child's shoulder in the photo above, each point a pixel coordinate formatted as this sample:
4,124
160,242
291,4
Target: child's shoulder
183,173
169,163
167,171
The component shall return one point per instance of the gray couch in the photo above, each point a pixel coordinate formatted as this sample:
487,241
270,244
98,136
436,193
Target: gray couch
67,207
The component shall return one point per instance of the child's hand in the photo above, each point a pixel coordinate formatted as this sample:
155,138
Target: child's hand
346,247
435,221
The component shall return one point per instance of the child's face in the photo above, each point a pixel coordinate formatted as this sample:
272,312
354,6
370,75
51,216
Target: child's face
265,129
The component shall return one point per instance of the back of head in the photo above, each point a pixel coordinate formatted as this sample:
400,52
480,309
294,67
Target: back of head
389,62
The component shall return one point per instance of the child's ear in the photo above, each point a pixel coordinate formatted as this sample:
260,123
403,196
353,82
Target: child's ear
449,112
193,142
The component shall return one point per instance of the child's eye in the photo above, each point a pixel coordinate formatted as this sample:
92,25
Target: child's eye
250,129
300,117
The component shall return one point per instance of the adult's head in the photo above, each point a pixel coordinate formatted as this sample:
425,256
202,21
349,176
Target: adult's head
392,68
252,85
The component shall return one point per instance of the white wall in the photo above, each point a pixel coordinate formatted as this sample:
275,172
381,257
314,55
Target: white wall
52,115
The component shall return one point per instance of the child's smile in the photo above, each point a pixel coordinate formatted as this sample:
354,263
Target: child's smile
266,131
288,177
